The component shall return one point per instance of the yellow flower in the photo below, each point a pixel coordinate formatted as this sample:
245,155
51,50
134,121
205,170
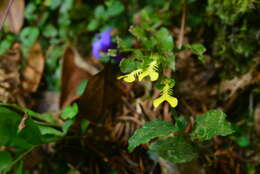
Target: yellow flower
151,71
131,76
166,96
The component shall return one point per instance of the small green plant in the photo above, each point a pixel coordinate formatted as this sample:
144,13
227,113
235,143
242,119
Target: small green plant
157,53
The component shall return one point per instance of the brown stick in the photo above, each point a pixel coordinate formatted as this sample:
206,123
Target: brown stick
183,19
6,13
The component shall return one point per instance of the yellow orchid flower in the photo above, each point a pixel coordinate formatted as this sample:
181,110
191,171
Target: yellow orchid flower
151,71
129,78
166,96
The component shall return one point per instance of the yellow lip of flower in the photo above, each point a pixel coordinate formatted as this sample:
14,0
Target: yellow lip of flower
131,76
171,100
166,96
151,71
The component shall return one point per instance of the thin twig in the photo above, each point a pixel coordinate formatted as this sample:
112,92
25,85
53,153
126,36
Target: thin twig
183,19
6,13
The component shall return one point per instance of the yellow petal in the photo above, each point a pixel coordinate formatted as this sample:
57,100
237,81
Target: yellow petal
129,78
153,75
172,101
158,101
142,75
121,77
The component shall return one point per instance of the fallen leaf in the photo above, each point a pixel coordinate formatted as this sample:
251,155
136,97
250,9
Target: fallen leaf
33,70
72,76
16,16
257,119
4,5
101,94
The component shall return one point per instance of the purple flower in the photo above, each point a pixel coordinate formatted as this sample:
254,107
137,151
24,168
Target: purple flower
103,43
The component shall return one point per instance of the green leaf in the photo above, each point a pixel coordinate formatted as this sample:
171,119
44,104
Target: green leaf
69,112
66,5
181,123
164,40
138,32
210,124
81,88
49,131
93,24
128,65
9,121
28,36
19,169
150,130
50,31
84,125
5,161
174,149
66,126
99,11
114,8
198,49
243,141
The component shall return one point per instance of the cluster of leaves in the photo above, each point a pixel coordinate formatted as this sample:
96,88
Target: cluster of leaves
157,53
24,130
174,144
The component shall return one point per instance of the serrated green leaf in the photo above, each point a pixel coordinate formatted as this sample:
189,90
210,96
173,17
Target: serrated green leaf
69,112
164,40
174,149
210,124
150,130
128,65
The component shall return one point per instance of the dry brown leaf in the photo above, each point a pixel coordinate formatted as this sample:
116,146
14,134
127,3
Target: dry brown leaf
72,76
16,16
3,11
102,94
33,71
257,119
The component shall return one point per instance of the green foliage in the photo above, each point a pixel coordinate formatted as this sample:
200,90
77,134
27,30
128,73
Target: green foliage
6,44
210,124
174,149
150,130
84,125
103,13
164,40
22,132
5,161
128,65
179,149
228,10
243,141
69,112
81,88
